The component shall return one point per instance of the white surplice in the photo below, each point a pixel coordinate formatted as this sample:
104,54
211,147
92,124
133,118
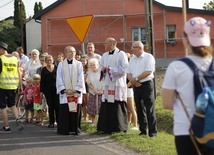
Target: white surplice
118,64
60,82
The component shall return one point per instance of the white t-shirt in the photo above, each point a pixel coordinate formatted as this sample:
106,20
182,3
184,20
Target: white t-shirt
179,77
97,56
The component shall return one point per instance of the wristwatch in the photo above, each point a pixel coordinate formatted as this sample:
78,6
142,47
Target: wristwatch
136,79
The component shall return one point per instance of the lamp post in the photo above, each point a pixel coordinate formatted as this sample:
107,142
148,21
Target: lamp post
21,23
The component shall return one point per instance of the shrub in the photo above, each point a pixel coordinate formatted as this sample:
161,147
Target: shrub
164,117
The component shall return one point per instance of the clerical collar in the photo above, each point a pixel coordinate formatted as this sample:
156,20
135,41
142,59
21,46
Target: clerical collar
70,61
111,52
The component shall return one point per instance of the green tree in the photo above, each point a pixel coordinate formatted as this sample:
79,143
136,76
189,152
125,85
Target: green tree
18,4
40,6
209,6
37,7
10,35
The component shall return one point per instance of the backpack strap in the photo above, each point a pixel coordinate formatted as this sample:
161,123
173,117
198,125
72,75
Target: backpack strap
190,63
211,68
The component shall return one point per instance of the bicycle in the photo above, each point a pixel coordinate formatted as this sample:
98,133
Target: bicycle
21,108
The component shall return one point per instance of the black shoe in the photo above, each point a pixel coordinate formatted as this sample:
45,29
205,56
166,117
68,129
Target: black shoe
125,131
75,133
51,126
153,135
4,130
142,134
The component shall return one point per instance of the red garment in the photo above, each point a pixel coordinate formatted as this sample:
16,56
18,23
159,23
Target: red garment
36,94
29,93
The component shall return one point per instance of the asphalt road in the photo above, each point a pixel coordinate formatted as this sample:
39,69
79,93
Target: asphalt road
40,140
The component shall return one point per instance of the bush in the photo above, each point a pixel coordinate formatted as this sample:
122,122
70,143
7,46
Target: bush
164,118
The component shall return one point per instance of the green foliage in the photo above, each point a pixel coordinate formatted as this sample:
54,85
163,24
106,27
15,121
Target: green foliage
37,7
10,35
164,120
16,21
209,6
40,6
164,117
19,14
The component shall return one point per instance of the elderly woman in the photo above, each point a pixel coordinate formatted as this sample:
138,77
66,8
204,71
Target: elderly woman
95,89
32,64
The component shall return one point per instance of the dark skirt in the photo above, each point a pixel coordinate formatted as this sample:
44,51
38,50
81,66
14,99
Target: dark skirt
69,122
113,117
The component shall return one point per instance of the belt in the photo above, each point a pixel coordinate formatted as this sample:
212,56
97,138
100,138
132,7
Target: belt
146,82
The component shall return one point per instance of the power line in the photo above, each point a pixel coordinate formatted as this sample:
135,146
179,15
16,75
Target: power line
6,4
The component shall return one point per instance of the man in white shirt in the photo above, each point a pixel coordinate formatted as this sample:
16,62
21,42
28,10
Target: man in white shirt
90,52
140,74
22,57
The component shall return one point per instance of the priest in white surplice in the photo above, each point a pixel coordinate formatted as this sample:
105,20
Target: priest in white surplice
113,110
70,86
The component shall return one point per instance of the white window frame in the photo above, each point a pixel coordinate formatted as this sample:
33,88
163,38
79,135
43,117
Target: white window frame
171,33
139,34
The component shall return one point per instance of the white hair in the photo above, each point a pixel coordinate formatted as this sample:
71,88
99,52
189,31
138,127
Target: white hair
36,51
93,61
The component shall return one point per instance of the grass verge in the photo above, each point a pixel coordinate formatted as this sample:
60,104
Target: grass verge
163,144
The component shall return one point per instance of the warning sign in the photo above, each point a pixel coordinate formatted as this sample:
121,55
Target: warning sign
80,25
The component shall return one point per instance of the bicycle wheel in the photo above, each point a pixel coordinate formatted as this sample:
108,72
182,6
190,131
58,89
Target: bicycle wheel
20,107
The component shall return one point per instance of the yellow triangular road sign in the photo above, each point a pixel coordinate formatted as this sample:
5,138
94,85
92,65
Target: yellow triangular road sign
80,25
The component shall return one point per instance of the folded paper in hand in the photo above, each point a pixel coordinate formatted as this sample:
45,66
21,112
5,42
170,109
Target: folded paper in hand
72,103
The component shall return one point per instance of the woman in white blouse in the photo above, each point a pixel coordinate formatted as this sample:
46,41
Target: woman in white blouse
95,89
32,64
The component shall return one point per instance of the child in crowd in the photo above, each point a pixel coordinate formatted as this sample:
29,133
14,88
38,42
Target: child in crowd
60,58
78,55
28,99
84,61
37,99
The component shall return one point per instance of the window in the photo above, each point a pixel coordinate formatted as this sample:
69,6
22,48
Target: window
139,34
171,32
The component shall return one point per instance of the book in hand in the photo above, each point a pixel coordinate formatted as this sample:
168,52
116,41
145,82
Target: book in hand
72,103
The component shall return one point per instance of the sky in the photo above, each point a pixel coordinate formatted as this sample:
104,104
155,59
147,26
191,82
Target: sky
7,6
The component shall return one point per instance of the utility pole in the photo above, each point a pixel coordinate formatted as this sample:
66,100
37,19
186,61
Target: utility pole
148,6
184,12
21,23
